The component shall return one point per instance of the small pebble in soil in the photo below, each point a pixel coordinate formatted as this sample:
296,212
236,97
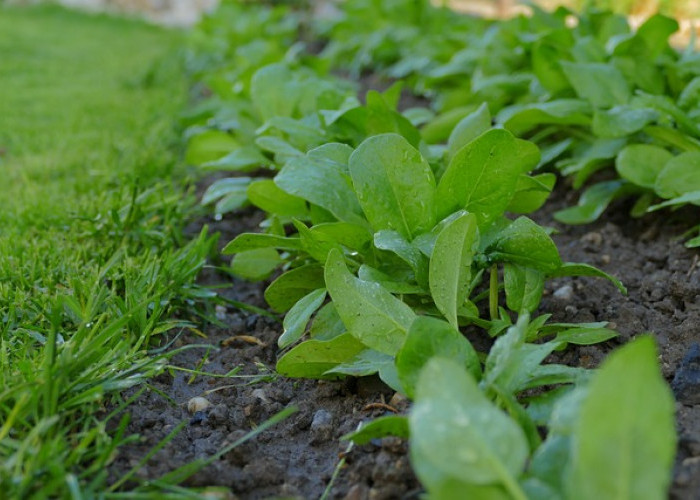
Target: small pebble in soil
593,239
686,383
218,414
199,417
220,312
566,292
198,404
321,427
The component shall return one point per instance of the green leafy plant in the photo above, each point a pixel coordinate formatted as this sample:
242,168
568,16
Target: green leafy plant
473,433
386,239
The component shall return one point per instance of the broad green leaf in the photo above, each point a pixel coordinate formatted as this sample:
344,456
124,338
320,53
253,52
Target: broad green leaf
641,163
630,455
459,432
327,324
255,265
367,362
282,150
271,93
393,241
304,134
534,488
511,361
450,265
265,195
382,118
673,137
290,287
298,317
317,245
577,269
370,313
526,243
322,182
668,106
441,487
591,157
531,192
418,116
397,283
469,128
545,65
394,184
601,84
390,425
520,119
622,121
313,358
427,338
585,335
333,151
523,286
352,236
252,241
208,146
550,461
233,189
439,129
680,175
591,204
483,175
240,159
690,96
690,197
655,32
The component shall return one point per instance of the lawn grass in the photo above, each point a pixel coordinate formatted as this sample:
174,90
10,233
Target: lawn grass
93,265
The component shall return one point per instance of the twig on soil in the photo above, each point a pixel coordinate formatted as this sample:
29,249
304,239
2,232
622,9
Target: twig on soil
244,338
380,406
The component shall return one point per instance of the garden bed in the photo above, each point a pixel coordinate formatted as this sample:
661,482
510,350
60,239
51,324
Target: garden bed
392,225
298,457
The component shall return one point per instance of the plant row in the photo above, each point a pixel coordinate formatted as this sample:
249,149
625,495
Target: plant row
398,238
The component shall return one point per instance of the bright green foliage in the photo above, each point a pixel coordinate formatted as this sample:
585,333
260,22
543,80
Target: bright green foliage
451,262
462,441
370,313
458,434
408,230
608,457
394,184
428,338
482,176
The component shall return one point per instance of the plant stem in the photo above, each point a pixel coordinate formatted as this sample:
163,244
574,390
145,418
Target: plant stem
493,292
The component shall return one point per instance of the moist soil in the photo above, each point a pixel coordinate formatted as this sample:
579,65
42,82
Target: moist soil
298,457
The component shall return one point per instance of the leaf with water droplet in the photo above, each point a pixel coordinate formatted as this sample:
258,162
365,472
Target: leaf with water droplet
394,184
459,432
370,313
450,265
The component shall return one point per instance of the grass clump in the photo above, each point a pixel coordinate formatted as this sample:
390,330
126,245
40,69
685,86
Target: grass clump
92,260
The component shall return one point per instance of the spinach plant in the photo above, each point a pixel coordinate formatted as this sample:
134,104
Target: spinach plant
388,238
478,432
